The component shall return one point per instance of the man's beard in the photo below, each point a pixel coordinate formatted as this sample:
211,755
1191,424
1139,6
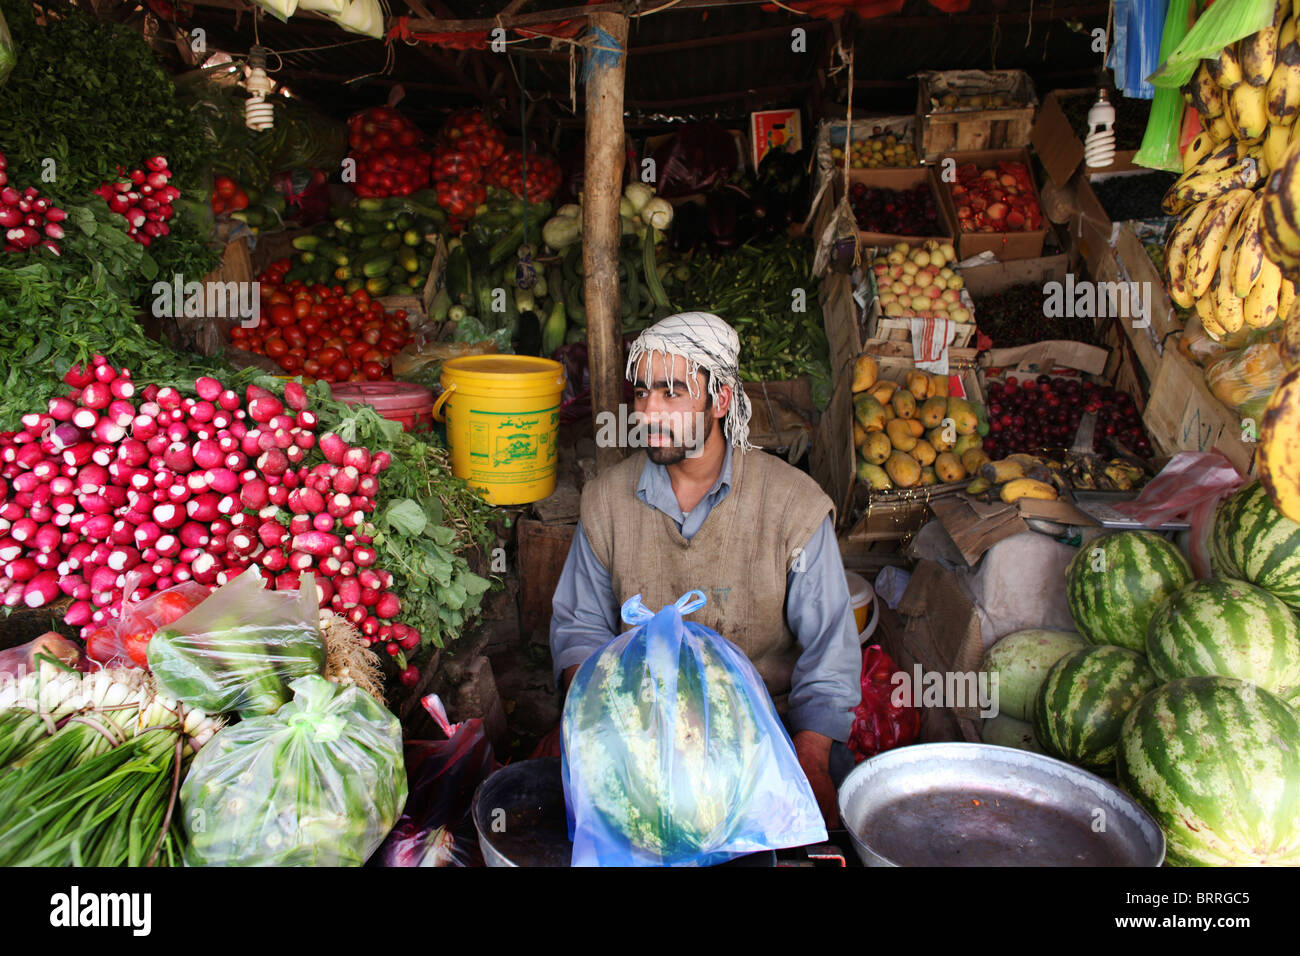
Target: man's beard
676,453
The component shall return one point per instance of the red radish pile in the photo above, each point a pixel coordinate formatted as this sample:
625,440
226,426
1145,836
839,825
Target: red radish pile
144,199
1000,199
181,489
28,218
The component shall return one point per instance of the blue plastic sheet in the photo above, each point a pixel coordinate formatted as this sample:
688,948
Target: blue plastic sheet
673,753
1135,52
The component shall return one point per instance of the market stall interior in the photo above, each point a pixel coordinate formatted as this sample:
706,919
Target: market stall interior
348,347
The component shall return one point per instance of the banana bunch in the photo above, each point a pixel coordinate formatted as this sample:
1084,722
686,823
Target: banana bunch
1234,253
1013,478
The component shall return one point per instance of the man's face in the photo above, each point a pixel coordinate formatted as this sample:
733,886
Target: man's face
679,424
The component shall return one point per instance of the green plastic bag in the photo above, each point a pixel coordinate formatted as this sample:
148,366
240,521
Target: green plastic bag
321,782
8,55
1223,22
1159,148
239,649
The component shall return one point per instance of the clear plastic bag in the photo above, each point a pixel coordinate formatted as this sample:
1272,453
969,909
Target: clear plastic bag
124,641
437,825
15,662
1199,346
240,648
673,751
318,783
1246,379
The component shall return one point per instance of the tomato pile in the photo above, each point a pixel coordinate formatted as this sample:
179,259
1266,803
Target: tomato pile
227,195
143,198
385,146
543,175
1000,199
466,146
321,332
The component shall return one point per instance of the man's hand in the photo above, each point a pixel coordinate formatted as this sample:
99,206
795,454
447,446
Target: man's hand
814,753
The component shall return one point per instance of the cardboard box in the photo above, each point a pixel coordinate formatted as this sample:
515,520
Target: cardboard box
783,413
1060,146
946,130
774,129
1184,415
1166,321
902,179
1005,245
904,127
986,280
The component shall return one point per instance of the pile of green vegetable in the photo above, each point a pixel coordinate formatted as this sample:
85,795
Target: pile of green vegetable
87,97
90,769
768,293
386,246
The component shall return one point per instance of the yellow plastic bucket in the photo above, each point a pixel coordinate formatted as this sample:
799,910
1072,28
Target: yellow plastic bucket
503,418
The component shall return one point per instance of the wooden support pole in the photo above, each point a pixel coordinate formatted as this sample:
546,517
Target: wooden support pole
603,185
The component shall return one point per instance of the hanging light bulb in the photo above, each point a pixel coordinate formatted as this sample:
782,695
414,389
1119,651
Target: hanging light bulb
1099,146
258,113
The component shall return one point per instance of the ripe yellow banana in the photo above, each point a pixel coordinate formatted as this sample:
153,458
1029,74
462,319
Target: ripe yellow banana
1018,488
1276,141
1286,298
1289,346
1279,446
1220,129
1228,309
1210,185
1284,84
1209,321
1212,235
1261,305
1258,54
1248,257
1206,95
1248,111
1226,68
1197,150
1179,252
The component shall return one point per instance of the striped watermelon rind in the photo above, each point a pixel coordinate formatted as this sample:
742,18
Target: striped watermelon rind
1216,761
1227,628
1113,595
1255,542
1083,701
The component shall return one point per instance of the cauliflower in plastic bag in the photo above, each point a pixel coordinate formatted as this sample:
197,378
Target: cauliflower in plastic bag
674,753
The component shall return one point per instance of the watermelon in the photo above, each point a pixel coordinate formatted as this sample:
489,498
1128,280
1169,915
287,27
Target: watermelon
1021,661
1216,761
1255,542
1004,731
1227,628
1115,583
1083,702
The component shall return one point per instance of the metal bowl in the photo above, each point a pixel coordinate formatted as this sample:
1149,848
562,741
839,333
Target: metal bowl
965,804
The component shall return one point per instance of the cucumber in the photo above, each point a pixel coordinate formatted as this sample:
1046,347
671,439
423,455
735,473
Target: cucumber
403,221
370,205
428,249
370,242
297,273
343,273
305,243
407,259
554,330
458,276
390,242
415,280
306,258
377,265
412,237
397,274
377,285
352,285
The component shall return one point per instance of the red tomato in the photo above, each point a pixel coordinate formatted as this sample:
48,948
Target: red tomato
291,364
170,606
311,367
342,368
328,356
102,644
277,347
373,370
355,350
294,336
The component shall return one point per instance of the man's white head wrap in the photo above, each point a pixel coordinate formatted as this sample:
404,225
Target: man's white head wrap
708,343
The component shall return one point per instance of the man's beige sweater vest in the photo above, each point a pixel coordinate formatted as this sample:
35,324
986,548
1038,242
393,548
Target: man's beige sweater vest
739,558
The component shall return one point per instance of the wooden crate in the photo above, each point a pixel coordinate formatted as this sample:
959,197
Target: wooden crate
943,131
1026,244
899,179
899,329
1166,321
1184,415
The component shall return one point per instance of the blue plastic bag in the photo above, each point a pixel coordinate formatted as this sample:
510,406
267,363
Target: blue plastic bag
673,753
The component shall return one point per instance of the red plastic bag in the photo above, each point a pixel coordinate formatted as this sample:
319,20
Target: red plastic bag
878,724
124,641
437,827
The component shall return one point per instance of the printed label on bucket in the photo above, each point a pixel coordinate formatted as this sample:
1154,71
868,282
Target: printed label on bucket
512,447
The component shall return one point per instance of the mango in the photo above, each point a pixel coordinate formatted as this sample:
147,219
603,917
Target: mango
865,372
876,448
963,415
900,434
949,467
918,383
917,428
883,391
924,452
904,403
868,413
939,386
935,436
928,477
859,435
903,470
965,443
874,475
974,459
933,412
